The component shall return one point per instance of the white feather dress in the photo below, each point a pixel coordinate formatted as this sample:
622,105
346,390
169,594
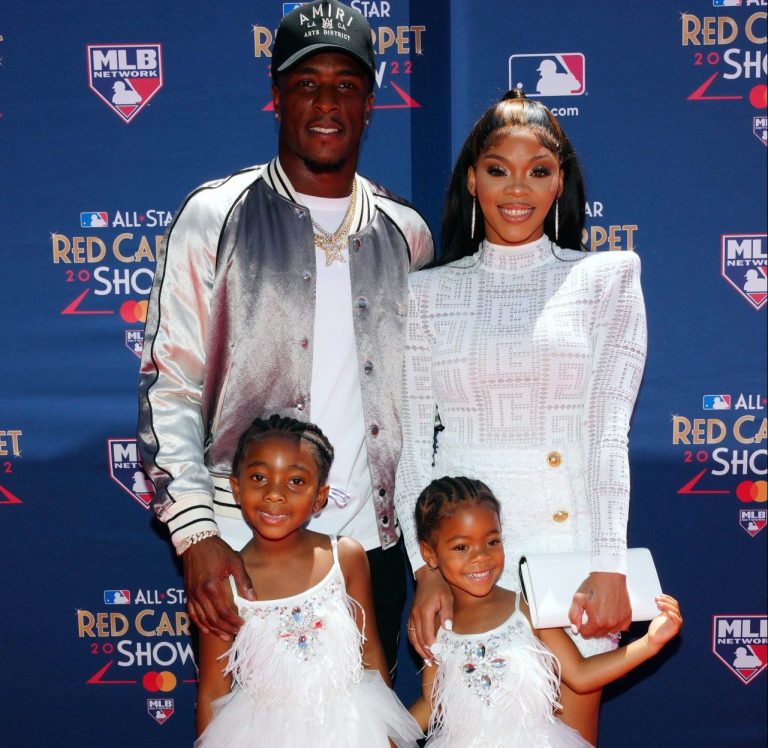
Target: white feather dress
298,678
497,689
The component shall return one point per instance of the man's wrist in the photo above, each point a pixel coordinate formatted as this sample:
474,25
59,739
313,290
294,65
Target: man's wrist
195,538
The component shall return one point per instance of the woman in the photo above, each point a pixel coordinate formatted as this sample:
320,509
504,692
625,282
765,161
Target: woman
532,351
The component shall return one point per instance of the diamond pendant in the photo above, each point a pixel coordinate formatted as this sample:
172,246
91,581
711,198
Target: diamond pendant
332,250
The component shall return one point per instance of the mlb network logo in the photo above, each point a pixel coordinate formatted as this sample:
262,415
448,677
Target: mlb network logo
126,470
125,76
160,709
760,129
548,74
752,521
743,265
716,402
741,643
134,342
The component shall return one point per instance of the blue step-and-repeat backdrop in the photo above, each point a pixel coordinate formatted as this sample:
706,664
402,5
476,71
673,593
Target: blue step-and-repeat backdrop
111,112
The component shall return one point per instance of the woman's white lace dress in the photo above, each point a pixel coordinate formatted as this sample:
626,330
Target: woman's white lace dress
533,356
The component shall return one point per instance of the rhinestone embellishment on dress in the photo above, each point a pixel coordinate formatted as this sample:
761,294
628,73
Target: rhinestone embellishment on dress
299,629
483,669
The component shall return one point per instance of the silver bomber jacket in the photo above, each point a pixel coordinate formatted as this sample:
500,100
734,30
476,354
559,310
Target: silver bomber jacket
229,335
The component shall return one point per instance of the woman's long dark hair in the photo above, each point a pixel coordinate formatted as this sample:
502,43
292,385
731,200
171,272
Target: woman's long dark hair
512,110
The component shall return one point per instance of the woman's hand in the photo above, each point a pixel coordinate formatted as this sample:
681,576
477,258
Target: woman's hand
603,598
433,597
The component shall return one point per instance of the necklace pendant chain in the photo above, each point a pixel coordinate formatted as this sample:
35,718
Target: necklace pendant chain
333,250
332,245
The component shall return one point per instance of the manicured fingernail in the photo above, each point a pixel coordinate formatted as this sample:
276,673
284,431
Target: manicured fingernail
428,663
574,628
449,625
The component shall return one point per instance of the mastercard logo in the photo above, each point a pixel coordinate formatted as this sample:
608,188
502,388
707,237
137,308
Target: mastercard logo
164,681
134,311
752,490
758,96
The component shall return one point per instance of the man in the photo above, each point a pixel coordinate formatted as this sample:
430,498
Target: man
283,288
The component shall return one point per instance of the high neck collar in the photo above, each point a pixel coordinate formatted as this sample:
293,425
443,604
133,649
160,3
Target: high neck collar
520,257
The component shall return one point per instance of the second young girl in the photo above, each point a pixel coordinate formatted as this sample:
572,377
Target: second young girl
496,681
307,667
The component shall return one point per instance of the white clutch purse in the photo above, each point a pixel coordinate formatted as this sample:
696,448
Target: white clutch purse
549,581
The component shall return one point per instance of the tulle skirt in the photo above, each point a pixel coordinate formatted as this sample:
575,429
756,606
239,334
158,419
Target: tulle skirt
366,718
552,735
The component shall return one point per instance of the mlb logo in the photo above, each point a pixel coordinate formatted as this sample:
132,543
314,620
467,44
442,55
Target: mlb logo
125,76
117,597
726,3
160,709
94,219
550,74
743,265
741,643
716,402
752,520
134,341
760,129
288,7
126,470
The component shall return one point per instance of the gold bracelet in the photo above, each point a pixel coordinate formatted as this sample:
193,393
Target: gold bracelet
195,538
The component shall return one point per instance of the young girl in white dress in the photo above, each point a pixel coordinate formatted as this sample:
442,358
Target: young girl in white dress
531,350
496,679
307,667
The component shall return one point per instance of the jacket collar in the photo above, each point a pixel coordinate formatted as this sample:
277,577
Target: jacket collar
277,179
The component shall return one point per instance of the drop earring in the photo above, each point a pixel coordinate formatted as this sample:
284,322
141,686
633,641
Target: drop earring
474,216
557,219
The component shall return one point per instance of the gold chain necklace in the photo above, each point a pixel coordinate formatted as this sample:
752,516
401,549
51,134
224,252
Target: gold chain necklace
333,244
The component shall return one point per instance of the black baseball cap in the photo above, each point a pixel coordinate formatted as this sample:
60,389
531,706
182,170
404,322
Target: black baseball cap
323,26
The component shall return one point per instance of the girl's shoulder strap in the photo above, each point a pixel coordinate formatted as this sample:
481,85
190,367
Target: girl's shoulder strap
233,586
518,595
335,548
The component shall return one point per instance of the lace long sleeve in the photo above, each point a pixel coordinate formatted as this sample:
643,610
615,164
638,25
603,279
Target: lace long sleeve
418,414
620,338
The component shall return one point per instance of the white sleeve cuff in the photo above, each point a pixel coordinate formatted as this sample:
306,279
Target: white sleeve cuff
612,564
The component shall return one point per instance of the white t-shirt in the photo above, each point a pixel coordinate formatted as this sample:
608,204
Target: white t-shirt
336,399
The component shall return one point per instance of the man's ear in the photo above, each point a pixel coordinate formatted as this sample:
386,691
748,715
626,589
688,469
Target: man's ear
368,107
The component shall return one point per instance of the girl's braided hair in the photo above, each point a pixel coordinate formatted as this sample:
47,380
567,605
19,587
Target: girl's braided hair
291,428
443,497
